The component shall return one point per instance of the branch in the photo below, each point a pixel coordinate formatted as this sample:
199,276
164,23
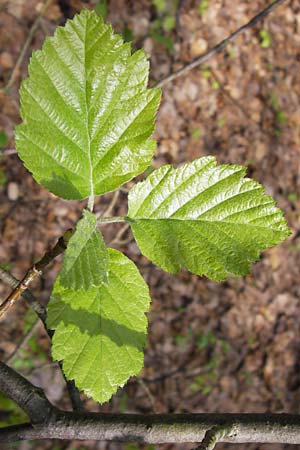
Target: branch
30,398
160,428
219,47
10,280
35,271
50,423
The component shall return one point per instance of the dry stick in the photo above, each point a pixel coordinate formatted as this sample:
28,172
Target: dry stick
35,271
111,205
10,280
219,47
121,232
32,31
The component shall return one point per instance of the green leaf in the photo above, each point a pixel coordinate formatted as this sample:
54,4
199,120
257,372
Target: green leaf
100,333
207,218
169,23
86,258
101,8
87,113
160,5
3,139
266,40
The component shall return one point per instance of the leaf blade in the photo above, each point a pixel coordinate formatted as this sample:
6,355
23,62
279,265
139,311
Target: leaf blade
209,219
87,113
86,259
100,334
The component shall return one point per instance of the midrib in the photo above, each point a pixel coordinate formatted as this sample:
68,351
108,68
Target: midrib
91,196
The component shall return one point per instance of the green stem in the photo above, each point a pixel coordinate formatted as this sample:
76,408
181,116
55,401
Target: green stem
111,219
90,204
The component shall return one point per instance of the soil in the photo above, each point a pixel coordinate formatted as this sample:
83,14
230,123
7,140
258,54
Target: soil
229,347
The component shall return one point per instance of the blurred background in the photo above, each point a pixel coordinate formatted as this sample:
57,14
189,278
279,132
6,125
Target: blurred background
229,347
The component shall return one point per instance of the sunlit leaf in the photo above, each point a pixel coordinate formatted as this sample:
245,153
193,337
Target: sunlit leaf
206,218
86,258
100,333
87,113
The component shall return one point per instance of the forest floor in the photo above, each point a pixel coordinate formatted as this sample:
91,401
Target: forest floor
229,347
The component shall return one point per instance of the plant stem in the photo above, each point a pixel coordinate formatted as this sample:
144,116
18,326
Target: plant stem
35,271
91,203
114,219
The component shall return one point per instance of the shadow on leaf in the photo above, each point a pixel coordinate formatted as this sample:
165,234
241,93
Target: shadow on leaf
93,324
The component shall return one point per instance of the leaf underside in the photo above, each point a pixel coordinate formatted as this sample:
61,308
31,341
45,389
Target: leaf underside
86,258
100,333
206,218
87,113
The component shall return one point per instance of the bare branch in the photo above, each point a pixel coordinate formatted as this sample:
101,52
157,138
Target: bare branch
160,428
117,240
30,398
112,204
35,271
50,423
219,47
10,280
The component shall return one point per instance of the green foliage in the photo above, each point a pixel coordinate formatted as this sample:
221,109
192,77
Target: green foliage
86,258
202,6
206,339
281,118
10,413
102,9
127,34
3,177
160,5
87,113
3,139
292,197
166,41
266,40
164,23
207,218
169,23
87,123
27,357
100,332
196,133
